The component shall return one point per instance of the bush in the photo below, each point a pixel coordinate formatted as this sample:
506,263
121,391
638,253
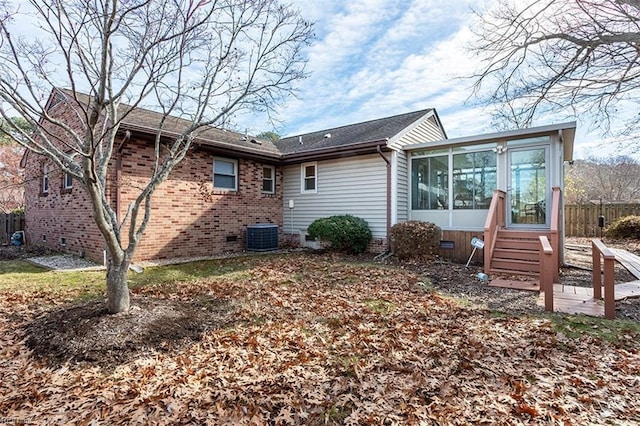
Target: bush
344,232
625,227
415,239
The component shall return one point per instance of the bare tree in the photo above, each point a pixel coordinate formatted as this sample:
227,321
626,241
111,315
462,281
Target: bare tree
196,60
11,178
610,179
560,56
11,175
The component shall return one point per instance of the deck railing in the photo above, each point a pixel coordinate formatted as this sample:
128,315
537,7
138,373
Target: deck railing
495,220
546,272
598,252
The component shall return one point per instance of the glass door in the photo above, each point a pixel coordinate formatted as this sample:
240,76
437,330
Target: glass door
528,194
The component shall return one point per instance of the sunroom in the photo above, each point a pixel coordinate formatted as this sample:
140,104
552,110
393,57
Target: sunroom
454,182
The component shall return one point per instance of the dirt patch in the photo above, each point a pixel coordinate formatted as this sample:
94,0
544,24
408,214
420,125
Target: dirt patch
21,252
86,333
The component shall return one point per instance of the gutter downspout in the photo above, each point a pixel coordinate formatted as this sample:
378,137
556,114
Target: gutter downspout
388,163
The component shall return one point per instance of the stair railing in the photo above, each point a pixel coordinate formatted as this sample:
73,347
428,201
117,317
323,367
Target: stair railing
601,254
546,272
495,220
555,230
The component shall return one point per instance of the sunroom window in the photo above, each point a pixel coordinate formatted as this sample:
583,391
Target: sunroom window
430,183
474,179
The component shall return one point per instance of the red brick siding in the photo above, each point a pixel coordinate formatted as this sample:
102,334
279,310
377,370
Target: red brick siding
184,221
59,214
188,218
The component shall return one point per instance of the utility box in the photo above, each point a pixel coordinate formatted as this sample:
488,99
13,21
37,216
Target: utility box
262,237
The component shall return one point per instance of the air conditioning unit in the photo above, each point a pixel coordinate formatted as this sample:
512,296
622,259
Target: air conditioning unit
262,237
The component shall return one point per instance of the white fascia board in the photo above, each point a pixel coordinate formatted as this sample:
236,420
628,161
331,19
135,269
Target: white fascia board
395,138
568,130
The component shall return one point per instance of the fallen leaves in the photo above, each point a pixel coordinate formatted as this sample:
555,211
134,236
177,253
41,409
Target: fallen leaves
318,341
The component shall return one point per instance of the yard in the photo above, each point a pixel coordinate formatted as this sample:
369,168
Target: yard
305,339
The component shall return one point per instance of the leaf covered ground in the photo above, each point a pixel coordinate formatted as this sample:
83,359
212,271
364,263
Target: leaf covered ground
303,339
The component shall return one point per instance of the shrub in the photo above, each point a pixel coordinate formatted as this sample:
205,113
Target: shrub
343,232
625,227
415,239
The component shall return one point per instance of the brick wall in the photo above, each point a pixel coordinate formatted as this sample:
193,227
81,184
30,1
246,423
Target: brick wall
61,219
189,218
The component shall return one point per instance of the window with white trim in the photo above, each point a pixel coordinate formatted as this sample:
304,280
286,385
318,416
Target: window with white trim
67,181
309,177
268,179
45,178
225,174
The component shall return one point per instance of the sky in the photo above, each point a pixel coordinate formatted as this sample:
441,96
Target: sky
377,58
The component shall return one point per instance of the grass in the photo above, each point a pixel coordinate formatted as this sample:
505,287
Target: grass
24,277
619,332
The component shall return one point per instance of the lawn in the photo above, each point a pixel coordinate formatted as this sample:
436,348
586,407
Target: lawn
305,339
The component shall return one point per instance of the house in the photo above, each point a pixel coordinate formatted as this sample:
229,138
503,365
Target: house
385,171
227,182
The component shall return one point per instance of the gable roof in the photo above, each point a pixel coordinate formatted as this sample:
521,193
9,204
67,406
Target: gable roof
359,138
372,131
145,121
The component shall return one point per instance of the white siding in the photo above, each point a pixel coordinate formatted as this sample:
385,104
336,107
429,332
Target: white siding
426,131
402,189
355,186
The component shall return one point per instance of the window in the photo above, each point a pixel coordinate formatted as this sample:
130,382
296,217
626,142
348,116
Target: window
225,174
309,177
474,179
469,176
268,179
430,183
45,178
67,181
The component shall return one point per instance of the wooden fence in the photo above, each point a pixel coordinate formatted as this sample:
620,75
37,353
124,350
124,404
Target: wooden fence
10,223
581,220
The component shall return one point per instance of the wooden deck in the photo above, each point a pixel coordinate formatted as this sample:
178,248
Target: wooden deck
579,300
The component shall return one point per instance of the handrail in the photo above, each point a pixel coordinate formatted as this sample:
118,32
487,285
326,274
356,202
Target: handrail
556,204
495,219
546,272
598,251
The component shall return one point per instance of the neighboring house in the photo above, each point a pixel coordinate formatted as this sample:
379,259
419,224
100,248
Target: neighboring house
385,171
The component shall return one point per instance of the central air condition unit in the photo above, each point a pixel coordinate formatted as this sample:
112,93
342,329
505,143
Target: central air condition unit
262,237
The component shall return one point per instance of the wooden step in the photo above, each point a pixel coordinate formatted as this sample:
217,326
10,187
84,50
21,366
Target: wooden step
532,235
512,243
516,254
515,265
510,272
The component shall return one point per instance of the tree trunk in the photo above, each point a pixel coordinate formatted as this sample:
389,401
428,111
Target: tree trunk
117,288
